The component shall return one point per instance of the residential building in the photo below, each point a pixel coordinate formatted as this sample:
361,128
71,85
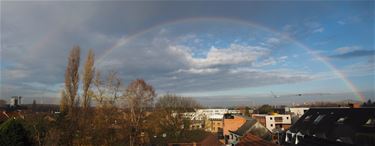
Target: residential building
231,123
332,127
234,112
203,114
188,115
214,123
201,117
251,126
275,122
196,124
15,101
298,111
237,126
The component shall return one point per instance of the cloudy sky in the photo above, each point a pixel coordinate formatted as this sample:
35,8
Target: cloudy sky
221,53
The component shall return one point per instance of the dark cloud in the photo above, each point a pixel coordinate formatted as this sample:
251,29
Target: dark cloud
36,38
354,54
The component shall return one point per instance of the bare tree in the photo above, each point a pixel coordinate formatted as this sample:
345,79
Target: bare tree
99,91
63,102
88,74
114,83
106,90
168,114
105,93
177,103
72,78
139,96
69,124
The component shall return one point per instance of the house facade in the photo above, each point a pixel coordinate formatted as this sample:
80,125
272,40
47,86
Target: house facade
274,122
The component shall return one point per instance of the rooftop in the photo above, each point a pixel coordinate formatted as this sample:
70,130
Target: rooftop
337,125
252,140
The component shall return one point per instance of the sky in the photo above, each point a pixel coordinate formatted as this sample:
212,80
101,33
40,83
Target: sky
220,53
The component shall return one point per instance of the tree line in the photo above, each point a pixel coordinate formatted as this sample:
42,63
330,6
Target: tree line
97,109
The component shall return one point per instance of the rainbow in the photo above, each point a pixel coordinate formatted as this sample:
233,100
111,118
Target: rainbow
125,40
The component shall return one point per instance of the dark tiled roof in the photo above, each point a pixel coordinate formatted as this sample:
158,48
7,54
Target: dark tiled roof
347,125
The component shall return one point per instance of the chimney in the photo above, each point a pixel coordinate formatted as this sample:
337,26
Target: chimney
354,105
19,100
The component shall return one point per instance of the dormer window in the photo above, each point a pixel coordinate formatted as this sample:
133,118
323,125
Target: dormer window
370,122
341,120
307,118
318,119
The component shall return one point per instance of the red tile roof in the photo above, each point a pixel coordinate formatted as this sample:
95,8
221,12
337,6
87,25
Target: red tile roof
252,140
210,140
3,117
6,115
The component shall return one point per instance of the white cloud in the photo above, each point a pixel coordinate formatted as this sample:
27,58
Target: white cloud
266,62
273,40
13,74
311,24
234,54
320,29
199,70
341,22
283,58
347,49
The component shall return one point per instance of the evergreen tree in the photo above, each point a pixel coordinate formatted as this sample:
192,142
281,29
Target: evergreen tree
12,133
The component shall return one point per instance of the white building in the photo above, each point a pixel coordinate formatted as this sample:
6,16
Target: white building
298,111
234,112
274,122
202,114
15,101
188,115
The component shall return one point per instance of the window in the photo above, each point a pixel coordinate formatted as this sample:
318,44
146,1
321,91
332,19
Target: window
271,125
318,119
278,119
341,120
307,118
287,117
270,118
370,122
